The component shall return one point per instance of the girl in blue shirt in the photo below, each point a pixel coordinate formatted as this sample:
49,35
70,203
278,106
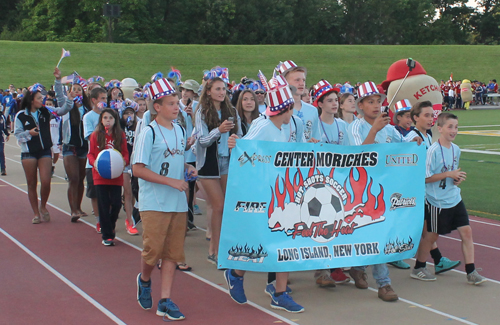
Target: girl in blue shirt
216,120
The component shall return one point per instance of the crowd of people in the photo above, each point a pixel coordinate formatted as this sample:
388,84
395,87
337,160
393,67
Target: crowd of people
176,136
452,99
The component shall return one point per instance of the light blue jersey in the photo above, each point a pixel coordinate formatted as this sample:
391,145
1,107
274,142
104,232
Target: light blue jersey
164,160
335,133
90,121
359,129
265,130
309,115
294,130
427,139
262,108
442,194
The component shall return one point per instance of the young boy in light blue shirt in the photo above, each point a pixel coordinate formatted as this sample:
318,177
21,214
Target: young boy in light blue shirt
444,208
372,128
159,164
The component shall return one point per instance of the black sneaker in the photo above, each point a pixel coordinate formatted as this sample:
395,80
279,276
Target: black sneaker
4,172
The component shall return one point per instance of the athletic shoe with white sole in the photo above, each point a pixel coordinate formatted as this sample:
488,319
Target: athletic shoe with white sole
286,303
271,289
169,309
422,274
475,278
235,287
144,293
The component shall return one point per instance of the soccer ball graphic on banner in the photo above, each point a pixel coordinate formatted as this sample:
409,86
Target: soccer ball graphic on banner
321,203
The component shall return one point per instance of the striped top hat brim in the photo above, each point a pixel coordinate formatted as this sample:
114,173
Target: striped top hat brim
160,88
321,89
367,89
401,107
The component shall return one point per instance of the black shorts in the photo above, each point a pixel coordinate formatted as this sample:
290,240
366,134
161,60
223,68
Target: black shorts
70,150
45,153
211,167
443,221
91,192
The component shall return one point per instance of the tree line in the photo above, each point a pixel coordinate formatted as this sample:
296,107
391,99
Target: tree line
254,21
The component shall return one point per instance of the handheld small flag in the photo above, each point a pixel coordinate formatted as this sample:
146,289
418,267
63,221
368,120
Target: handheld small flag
63,55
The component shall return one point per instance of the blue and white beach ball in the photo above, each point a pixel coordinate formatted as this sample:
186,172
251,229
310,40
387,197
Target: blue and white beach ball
109,163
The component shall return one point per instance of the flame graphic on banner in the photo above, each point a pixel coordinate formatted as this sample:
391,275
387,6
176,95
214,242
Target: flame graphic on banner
373,207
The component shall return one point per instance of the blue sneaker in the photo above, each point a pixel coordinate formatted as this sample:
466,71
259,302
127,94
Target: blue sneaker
286,303
169,309
144,294
445,264
235,286
400,265
270,289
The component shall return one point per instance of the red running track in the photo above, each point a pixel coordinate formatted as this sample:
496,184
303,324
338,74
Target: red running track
484,232
32,294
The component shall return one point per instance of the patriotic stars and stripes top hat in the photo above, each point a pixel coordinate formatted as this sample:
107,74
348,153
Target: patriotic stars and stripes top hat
284,67
367,89
279,96
321,89
77,80
160,88
401,107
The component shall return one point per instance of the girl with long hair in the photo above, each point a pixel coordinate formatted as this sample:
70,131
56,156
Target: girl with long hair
247,108
108,135
75,147
347,108
216,119
32,130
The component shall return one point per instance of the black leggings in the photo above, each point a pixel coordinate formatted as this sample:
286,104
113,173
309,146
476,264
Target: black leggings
109,201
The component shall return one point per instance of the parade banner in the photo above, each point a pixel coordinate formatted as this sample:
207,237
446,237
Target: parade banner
305,206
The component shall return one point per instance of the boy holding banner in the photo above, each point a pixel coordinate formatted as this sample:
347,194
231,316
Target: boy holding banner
372,128
280,107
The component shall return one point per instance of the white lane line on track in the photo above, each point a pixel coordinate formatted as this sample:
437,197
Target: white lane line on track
482,245
64,279
285,320
432,310
486,223
258,306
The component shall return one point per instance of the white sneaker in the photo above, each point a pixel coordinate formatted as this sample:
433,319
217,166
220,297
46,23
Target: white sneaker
422,274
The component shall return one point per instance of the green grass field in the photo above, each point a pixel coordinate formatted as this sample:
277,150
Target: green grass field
481,188
24,63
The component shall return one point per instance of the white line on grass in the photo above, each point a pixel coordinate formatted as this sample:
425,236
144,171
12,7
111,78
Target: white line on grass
476,126
64,279
481,151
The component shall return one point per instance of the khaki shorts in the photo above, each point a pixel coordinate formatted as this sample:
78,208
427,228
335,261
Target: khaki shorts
163,236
